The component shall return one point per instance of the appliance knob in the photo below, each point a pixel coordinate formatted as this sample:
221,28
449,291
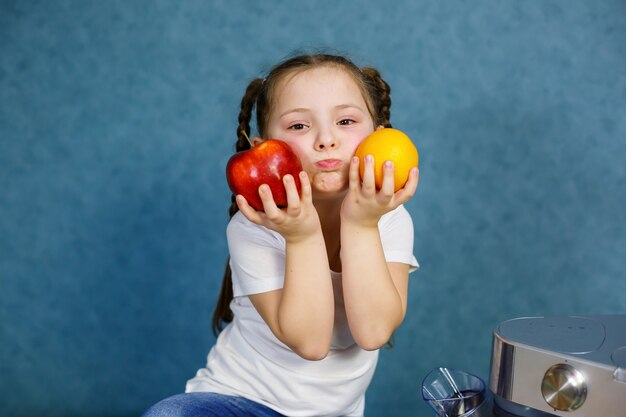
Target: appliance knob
563,387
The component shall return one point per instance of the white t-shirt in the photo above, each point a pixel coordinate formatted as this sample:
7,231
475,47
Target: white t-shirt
248,360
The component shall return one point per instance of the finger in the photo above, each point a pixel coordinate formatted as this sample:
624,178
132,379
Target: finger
413,181
293,199
405,193
247,210
388,185
354,177
305,187
369,183
269,205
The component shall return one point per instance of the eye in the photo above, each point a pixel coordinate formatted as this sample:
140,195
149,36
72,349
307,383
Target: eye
346,122
297,126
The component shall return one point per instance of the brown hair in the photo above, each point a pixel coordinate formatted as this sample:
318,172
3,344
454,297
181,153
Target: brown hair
260,95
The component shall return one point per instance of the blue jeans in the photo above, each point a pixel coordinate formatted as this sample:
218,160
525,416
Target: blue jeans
208,404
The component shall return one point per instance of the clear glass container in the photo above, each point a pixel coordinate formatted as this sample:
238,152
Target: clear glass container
453,393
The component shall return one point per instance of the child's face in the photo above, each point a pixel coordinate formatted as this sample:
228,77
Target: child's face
323,116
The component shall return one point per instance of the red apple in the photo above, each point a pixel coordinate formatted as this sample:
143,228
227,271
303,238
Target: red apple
266,163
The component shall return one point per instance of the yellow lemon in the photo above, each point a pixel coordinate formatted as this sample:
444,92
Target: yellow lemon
389,145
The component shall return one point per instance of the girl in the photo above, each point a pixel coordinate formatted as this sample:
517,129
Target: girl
312,291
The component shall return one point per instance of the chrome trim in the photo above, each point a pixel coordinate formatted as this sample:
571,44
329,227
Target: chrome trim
501,373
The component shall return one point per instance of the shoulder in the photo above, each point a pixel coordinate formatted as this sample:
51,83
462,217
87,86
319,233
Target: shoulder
397,237
399,217
249,242
256,257
241,229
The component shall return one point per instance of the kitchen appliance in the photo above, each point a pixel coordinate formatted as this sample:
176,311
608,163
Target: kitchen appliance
541,367
559,366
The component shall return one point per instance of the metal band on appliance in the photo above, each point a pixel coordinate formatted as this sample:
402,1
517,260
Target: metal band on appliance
502,361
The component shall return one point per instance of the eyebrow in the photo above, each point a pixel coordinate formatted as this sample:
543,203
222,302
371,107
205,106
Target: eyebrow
349,105
338,107
296,110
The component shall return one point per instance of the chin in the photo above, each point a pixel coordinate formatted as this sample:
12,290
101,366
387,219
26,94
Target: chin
328,185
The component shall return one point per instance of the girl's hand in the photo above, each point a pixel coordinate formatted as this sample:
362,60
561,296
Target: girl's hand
296,222
364,204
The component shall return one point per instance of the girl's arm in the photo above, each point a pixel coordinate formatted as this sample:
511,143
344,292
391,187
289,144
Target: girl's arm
301,314
374,291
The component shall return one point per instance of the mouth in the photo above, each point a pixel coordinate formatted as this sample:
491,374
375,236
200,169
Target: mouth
329,164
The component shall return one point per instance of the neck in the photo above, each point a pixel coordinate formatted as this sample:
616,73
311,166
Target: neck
328,210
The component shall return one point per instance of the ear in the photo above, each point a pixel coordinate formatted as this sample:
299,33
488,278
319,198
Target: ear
257,140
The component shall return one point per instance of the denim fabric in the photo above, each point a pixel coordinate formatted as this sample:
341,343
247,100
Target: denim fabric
208,404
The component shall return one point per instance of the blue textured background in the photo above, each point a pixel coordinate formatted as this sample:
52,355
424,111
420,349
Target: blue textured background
116,122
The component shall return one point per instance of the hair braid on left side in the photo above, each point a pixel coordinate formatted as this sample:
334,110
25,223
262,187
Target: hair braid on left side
380,92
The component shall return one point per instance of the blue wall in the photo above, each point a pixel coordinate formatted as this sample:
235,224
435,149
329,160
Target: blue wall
116,122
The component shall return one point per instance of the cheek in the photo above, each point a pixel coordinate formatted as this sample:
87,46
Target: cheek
358,137
298,149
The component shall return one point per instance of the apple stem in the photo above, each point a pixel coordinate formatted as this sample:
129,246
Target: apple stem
246,136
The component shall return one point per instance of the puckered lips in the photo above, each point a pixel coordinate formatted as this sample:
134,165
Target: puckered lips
330,164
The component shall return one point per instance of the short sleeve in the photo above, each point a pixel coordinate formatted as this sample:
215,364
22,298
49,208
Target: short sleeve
396,234
257,257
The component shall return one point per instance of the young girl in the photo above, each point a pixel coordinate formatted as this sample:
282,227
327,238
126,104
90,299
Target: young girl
312,291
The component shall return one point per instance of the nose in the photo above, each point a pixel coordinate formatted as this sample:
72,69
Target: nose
325,141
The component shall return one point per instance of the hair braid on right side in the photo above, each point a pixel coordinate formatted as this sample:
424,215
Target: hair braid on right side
245,115
381,94
222,313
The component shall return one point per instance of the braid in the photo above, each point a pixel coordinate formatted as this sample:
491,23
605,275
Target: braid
222,313
381,95
245,114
